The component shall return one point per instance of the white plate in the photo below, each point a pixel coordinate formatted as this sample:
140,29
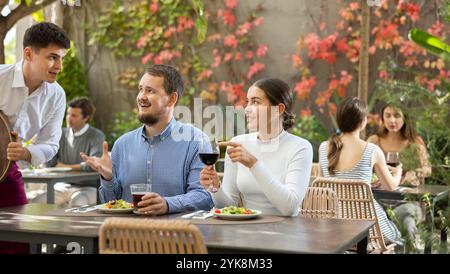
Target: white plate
58,169
115,210
237,216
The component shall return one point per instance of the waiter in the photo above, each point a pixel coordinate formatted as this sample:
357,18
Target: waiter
34,103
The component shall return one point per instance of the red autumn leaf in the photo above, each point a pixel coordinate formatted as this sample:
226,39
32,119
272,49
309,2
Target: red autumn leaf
147,58
332,109
228,56
333,84
258,21
322,25
243,29
205,74
296,60
261,51
342,46
341,90
354,6
154,6
346,78
217,61
304,87
169,32
312,41
436,29
228,18
413,11
383,74
305,113
230,41
231,4
254,69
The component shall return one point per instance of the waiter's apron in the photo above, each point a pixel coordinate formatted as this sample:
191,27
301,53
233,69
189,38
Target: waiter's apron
12,193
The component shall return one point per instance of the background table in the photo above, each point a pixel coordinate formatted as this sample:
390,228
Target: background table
50,179
30,224
437,193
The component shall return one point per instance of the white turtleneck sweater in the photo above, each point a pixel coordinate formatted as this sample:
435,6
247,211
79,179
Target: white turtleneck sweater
277,183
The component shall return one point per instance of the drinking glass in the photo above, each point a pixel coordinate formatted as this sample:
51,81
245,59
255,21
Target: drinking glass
138,191
209,154
392,158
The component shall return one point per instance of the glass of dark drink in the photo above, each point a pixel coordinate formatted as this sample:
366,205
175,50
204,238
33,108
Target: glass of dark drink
392,158
209,154
138,191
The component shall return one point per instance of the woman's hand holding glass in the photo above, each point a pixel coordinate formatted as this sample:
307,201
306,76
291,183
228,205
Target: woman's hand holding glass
209,154
209,179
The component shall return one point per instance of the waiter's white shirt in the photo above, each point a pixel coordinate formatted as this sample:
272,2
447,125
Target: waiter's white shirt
39,114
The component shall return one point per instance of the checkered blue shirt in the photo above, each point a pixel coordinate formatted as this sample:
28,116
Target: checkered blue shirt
172,166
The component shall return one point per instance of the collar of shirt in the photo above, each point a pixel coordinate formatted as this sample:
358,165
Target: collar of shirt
164,134
19,79
80,132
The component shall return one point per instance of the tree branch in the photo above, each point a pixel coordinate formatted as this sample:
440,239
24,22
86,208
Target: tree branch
23,10
3,3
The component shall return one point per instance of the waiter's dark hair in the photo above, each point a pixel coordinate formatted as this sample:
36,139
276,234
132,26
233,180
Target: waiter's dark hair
43,34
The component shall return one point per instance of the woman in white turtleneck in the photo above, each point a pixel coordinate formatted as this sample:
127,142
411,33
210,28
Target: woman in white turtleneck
269,167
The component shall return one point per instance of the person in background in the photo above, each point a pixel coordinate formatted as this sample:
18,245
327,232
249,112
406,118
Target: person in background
346,156
162,153
270,167
397,134
34,103
78,137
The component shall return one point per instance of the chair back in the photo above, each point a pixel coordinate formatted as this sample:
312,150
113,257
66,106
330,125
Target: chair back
319,203
355,202
150,236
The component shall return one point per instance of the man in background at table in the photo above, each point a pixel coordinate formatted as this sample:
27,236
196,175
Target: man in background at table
78,137
155,153
34,104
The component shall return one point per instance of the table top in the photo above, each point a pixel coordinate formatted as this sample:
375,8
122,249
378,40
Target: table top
434,190
292,235
72,175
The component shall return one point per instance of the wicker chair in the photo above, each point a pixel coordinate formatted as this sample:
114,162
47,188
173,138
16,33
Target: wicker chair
319,203
356,202
315,170
136,236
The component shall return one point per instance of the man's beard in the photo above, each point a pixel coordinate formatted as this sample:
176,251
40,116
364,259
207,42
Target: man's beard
148,119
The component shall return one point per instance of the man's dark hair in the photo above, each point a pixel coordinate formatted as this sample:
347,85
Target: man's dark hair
172,79
86,106
43,34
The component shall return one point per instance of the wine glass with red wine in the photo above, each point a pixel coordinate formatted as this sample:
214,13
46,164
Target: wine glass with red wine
209,154
392,158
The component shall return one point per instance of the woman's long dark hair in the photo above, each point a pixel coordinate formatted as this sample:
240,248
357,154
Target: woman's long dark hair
407,131
277,91
350,115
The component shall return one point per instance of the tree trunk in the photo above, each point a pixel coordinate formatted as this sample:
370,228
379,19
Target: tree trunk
363,84
2,47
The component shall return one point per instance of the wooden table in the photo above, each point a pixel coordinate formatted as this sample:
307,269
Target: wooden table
30,224
55,177
437,193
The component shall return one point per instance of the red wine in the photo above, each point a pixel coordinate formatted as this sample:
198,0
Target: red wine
209,158
393,164
137,197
